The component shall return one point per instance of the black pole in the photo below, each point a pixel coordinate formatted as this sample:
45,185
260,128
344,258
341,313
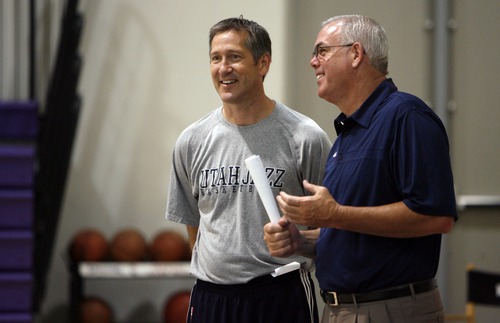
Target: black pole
32,49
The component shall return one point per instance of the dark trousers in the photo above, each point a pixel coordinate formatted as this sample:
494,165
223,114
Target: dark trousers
287,298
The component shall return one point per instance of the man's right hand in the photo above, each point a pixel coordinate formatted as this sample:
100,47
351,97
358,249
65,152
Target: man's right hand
282,238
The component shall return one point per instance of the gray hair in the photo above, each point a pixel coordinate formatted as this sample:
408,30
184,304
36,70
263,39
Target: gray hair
369,33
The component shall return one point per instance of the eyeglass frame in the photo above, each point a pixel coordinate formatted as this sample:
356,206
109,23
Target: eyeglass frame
318,47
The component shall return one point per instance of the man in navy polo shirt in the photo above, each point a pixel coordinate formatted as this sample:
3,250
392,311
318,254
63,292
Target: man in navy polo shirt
387,195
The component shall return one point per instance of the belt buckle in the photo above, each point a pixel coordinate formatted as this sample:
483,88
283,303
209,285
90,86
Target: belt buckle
335,300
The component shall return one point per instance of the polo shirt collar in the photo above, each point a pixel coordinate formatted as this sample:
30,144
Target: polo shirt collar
364,114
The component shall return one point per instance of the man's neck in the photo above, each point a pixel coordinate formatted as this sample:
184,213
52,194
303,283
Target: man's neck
250,113
361,91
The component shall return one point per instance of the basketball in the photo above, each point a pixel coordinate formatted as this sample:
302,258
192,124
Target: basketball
88,245
128,245
176,307
169,245
95,310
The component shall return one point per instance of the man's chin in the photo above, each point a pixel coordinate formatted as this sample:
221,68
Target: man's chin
227,97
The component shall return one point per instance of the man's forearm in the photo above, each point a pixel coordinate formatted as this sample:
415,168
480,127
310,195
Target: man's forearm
307,246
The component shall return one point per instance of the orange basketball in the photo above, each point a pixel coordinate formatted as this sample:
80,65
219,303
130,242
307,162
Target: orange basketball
169,245
176,307
128,245
88,245
95,310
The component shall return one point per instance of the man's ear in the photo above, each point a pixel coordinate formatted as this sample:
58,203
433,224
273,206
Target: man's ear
359,54
265,62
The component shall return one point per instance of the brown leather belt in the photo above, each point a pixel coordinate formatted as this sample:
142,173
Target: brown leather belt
335,299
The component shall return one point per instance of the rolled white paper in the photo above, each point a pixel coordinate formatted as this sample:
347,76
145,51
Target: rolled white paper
286,269
254,165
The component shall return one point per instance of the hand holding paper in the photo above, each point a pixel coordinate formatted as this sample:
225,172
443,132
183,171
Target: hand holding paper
259,177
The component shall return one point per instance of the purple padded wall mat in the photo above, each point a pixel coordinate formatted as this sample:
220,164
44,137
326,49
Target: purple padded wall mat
18,120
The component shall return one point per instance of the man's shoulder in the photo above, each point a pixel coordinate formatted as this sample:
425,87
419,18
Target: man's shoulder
205,122
404,107
199,128
400,99
297,119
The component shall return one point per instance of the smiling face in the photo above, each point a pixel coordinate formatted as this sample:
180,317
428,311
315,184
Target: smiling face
236,76
331,73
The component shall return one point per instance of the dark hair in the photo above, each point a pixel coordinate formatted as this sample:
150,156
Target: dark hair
258,40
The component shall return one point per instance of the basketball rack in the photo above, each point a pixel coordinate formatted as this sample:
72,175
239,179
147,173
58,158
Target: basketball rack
79,272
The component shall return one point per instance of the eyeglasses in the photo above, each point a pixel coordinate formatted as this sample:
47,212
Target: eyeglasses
320,52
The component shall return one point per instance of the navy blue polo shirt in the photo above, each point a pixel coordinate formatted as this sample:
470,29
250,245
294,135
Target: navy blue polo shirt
393,148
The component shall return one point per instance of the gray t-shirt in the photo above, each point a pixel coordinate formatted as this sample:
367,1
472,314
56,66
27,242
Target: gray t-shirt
210,187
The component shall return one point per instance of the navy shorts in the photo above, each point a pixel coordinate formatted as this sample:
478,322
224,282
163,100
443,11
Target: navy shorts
287,298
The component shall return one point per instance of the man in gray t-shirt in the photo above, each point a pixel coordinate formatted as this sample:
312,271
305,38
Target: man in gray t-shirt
211,190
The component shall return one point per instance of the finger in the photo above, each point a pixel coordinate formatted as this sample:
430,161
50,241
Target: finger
281,203
288,200
283,222
310,187
277,240
272,228
279,246
286,251
284,196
